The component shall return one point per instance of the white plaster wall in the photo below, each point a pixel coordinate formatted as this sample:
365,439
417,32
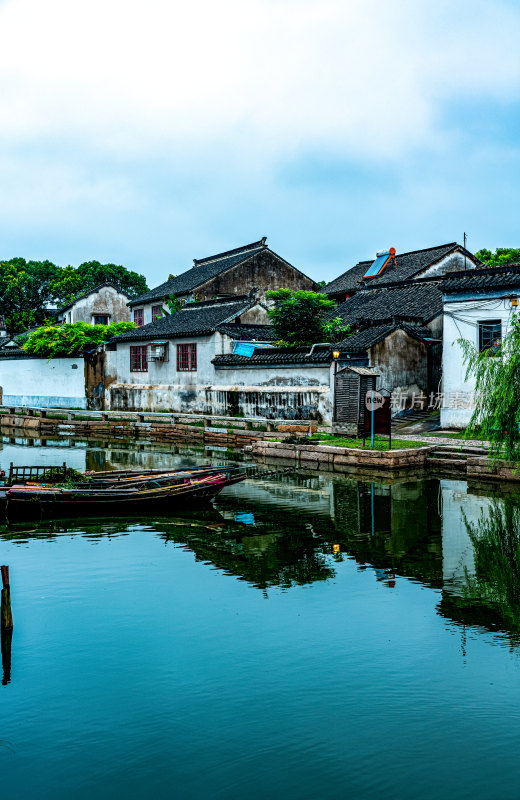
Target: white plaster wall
147,307
450,263
105,301
58,383
461,322
118,364
272,392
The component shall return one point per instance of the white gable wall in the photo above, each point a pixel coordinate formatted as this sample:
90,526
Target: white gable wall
461,322
106,301
450,263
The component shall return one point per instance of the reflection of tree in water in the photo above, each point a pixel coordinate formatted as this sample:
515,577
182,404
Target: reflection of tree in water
282,559
276,551
493,591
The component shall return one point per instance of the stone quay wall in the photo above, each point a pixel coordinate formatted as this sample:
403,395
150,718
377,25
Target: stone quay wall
344,459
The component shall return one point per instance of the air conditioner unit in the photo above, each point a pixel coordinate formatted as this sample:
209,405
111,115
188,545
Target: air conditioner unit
158,351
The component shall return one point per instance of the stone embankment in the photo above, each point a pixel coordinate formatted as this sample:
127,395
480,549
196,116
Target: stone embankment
344,459
257,437
227,432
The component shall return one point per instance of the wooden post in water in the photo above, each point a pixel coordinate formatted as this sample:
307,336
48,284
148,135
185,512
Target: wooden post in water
6,638
6,621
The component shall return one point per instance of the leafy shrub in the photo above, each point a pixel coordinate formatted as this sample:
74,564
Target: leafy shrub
303,318
72,339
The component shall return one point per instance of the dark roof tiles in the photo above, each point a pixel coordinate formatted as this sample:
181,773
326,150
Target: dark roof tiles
407,265
203,270
483,279
195,319
419,301
285,356
364,339
248,333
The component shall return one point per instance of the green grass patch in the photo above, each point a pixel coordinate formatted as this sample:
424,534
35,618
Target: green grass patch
380,442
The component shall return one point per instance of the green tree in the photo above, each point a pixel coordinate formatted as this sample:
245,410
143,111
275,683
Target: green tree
501,256
496,543
28,288
302,318
92,273
71,339
497,393
173,303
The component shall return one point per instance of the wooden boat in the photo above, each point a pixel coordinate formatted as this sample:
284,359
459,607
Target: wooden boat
41,500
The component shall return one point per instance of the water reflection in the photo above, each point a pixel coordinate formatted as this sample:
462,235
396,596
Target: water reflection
295,529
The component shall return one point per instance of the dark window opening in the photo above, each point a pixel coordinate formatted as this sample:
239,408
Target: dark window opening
490,335
186,358
139,316
157,312
100,319
138,358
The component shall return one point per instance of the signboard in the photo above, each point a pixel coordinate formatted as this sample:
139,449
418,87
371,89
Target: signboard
382,414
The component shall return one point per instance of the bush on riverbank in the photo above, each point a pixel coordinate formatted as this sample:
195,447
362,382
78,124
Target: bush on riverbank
72,339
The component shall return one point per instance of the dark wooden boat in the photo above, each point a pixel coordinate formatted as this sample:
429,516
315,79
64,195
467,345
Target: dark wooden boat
40,500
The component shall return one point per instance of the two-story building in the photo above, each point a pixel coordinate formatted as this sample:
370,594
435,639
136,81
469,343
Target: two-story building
232,273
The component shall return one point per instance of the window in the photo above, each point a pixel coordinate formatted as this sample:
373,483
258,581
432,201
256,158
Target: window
490,335
139,316
100,319
157,312
138,358
186,358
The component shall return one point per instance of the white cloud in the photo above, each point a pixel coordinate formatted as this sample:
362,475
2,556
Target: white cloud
363,77
136,131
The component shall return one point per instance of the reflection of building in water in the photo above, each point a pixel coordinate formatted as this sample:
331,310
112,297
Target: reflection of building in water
458,507
392,526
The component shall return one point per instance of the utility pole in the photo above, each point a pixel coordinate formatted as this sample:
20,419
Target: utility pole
465,240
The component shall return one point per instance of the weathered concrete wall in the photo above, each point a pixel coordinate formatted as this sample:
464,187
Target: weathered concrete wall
402,364
106,301
274,392
251,401
451,263
97,379
58,383
263,271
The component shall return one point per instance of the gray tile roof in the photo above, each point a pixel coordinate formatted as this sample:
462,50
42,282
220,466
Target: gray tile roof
195,319
362,340
14,352
282,357
203,270
248,333
483,280
407,266
415,300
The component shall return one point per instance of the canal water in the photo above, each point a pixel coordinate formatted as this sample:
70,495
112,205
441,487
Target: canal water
307,636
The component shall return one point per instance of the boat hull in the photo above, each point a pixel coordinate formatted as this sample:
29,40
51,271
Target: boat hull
35,503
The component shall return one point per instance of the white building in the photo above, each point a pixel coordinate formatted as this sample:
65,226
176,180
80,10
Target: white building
191,362
103,305
477,306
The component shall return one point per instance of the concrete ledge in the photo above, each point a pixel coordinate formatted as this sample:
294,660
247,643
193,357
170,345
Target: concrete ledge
341,457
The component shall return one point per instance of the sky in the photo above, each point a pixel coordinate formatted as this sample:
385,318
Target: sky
151,133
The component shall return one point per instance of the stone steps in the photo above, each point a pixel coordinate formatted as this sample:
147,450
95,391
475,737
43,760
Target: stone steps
458,464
